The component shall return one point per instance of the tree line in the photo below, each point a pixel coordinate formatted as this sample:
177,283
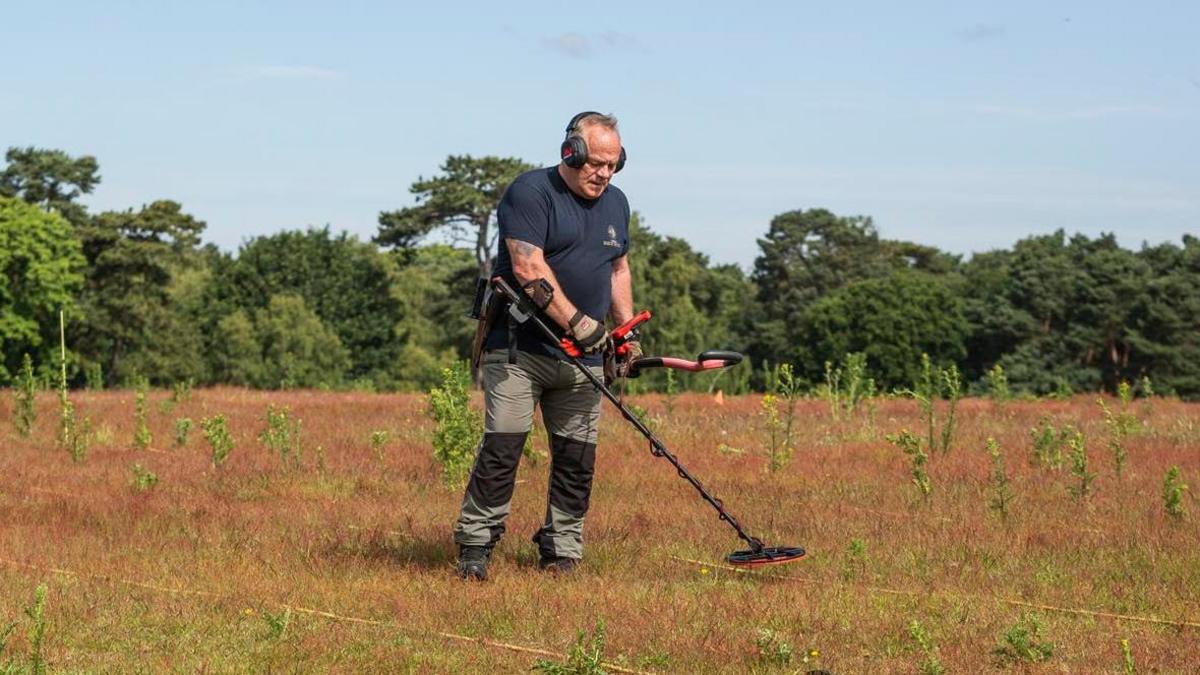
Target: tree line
144,297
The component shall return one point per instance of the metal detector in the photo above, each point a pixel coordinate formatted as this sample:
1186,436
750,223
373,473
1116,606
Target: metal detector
522,310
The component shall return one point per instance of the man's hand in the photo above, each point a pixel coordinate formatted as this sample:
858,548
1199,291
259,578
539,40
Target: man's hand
633,352
588,333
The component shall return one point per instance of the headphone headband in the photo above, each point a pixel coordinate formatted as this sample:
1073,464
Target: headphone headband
575,119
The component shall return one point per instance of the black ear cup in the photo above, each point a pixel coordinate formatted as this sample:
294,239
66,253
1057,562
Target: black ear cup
574,152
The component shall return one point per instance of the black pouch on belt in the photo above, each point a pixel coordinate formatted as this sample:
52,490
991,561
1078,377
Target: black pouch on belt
491,309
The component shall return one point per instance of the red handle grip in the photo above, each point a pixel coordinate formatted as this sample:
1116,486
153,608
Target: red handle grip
568,346
624,329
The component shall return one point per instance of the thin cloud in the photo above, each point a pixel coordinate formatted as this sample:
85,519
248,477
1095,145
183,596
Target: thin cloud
980,32
580,46
291,73
573,45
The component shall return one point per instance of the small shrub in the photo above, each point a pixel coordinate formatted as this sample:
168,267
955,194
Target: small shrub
74,436
777,450
931,665
378,440
1127,665
1023,642
998,385
282,435
585,658
25,394
931,384
672,392
1048,443
856,559
952,386
183,426
143,479
789,388
181,392
911,445
773,650
1172,493
642,415
847,386
1002,494
217,435
93,376
141,433
530,451
459,427
1079,466
277,624
37,632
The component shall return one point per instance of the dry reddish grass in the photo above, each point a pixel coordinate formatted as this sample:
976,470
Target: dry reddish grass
370,539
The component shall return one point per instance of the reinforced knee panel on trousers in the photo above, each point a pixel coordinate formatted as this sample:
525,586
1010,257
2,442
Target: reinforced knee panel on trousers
572,465
495,471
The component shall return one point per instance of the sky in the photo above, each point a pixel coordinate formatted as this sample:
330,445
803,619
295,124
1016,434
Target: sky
962,125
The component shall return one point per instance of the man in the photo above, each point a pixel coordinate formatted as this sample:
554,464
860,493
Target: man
564,234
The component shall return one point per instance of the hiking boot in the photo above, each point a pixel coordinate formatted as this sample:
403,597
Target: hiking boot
473,562
558,565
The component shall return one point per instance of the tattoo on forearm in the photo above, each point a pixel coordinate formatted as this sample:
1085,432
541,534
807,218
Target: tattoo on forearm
525,249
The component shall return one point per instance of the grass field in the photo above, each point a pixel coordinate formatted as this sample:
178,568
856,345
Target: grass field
345,562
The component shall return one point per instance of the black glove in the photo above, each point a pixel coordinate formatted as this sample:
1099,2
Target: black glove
588,333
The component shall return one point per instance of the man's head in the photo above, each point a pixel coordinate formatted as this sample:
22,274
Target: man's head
599,143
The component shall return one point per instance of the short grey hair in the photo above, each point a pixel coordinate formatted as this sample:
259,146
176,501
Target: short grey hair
594,119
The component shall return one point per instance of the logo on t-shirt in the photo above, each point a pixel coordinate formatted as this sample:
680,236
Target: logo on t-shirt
612,238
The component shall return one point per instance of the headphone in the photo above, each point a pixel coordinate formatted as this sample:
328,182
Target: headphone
574,151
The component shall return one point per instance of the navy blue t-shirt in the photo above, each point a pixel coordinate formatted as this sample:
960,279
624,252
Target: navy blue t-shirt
580,238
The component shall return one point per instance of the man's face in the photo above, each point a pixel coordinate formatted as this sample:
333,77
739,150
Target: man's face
604,149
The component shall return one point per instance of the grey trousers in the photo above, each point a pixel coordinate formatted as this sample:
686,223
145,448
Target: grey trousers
570,410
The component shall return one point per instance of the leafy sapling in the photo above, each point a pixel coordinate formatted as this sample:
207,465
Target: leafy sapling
217,435
585,658
141,434
1172,493
1024,642
459,426
25,395
1002,494
1079,467
932,664
911,445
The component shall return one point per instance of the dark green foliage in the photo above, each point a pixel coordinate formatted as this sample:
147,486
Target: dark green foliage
463,200
433,287
1023,642
1173,489
50,179
806,257
893,320
132,319
1053,315
695,306
40,273
342,283
459,426
1081,314
585,658
25,399
280,346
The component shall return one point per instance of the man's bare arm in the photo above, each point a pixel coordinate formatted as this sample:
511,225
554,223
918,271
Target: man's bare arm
622,292
529,264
